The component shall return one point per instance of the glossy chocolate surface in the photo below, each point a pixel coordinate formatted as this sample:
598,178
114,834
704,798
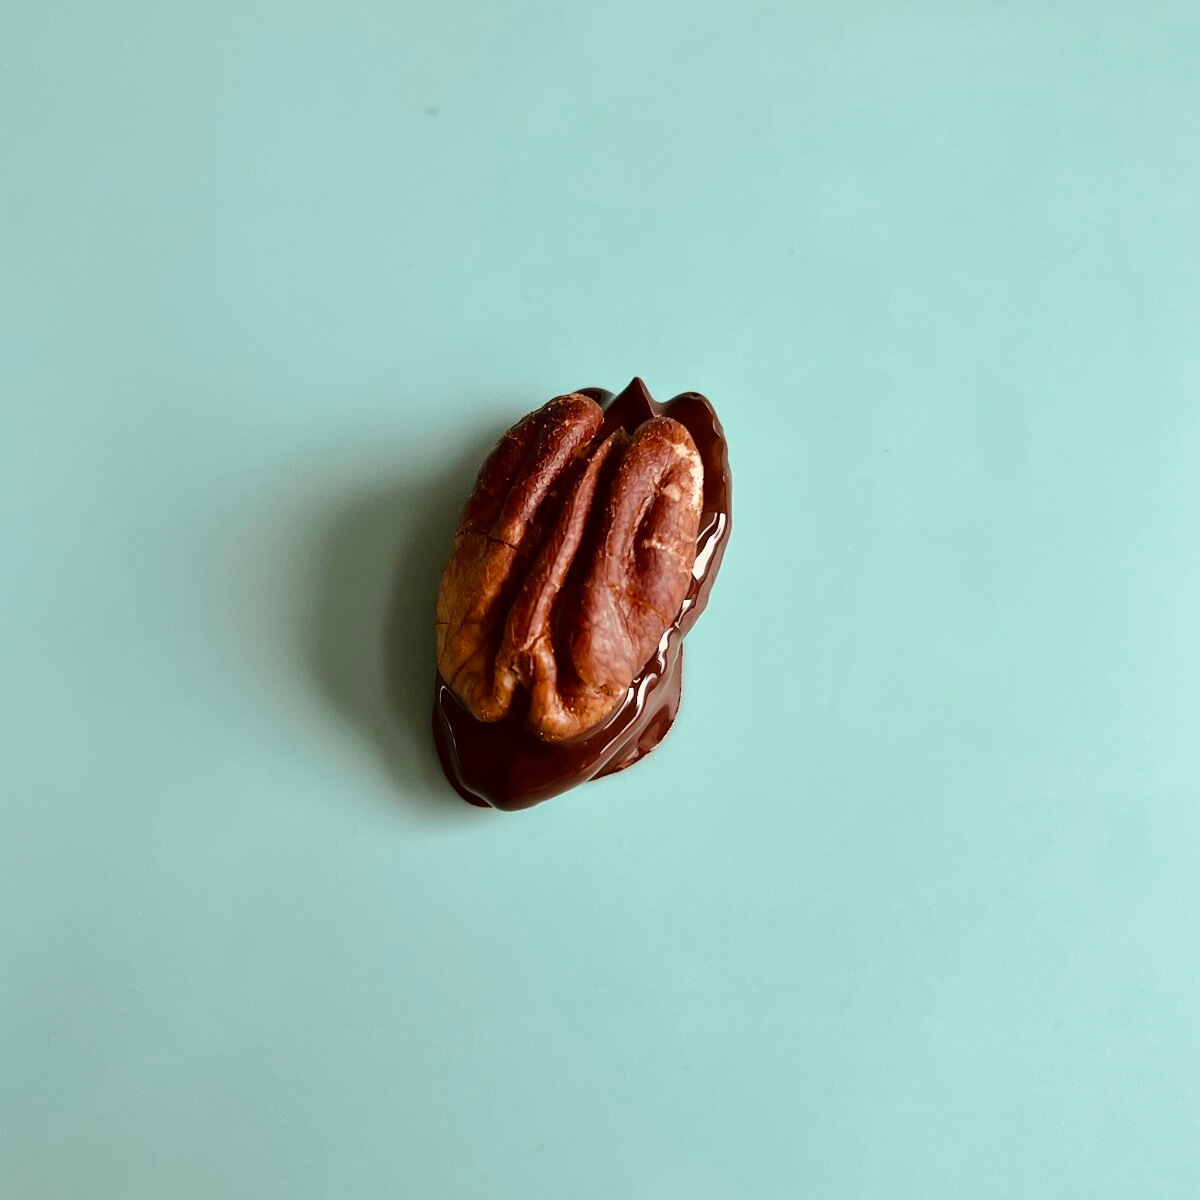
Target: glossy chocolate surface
499,764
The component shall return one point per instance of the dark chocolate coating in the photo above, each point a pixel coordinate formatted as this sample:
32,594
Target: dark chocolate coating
499,764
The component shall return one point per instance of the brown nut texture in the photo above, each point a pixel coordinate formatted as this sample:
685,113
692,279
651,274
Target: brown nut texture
572,559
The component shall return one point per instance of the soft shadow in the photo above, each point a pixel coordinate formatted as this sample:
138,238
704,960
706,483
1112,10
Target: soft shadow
373,650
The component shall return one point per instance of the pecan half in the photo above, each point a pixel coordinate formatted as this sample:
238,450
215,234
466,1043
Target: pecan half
572,559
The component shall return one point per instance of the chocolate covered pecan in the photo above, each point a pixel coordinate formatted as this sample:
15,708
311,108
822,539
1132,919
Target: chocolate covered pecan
572,558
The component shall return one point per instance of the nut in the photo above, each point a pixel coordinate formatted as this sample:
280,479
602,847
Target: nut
572,558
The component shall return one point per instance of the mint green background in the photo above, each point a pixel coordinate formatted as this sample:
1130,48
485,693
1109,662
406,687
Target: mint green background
907,904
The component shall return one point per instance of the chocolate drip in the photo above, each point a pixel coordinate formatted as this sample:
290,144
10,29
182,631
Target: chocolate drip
499,764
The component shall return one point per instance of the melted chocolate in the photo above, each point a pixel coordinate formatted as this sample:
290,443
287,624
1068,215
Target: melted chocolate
500,764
